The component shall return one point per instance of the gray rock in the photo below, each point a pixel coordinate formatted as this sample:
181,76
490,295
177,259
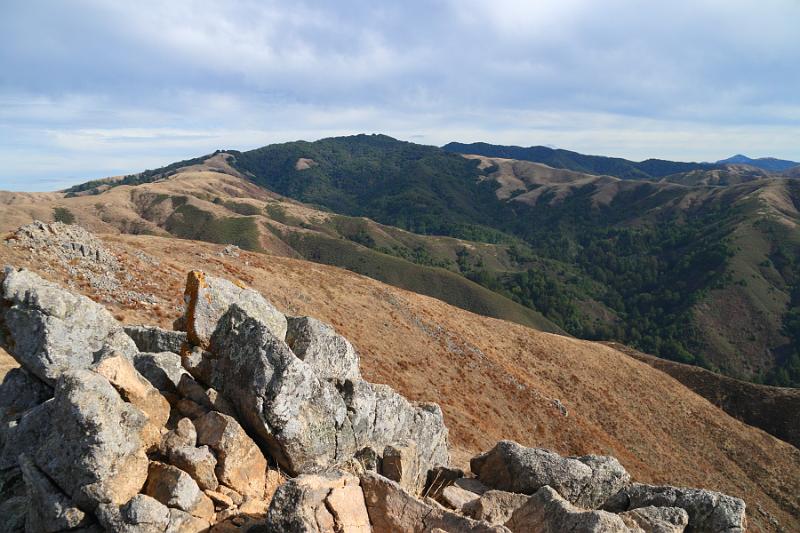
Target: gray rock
20,392
304,421
93,447
175,488
208,398
381,417
13,501
163,370
328,353
49,509
208,299
494,506
393,510
298,417
198,463
585,481
183,435
144,514
155,340
26,434
708,510
50,330
332,501
657,519
547,512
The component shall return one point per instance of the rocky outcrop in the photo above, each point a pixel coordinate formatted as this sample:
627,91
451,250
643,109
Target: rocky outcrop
309,423
586,481
97,435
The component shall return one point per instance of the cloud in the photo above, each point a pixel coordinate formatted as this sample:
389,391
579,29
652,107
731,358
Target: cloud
100,87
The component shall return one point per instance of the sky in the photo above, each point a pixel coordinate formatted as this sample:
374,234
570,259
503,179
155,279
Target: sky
94,88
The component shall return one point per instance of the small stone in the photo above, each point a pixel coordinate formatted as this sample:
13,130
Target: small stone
175,488
198,463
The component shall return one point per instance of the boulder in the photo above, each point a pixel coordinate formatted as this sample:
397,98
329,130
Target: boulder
657,519
547,512
49,330
175,488
13,500
494,506
154,339
585,481
93,448
198,463
393,510
26,434
49,509
163,370
707,510
298,417
208,398
138,391
381,417
208,299
144,514
440,477
240,463
328,353
331,502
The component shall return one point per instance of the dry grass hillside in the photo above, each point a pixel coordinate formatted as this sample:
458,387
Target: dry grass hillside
494,379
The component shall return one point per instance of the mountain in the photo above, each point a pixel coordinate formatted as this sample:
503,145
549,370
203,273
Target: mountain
769,164
686,268
591,164
493,379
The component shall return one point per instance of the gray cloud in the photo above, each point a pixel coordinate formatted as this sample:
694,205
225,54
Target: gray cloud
91,88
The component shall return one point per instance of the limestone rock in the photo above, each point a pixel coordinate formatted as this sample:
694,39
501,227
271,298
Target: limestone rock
393,510
328,353
240,463
547,512
208,398
163,370
326,503
175,488
49,509
707,510
657,519
494,506
50,330
93,448
26,434
585,481
141,514
208,299
440,477
190,409
155,340
198,463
